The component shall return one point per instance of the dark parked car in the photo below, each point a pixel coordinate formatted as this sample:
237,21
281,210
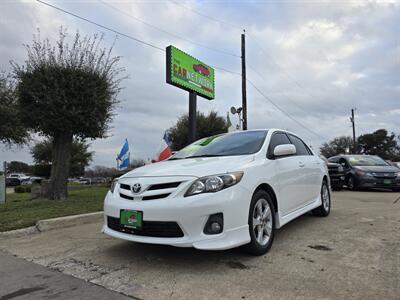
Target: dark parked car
11,181
336,174
368,171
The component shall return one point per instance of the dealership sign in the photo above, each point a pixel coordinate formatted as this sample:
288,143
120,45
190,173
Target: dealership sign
189,73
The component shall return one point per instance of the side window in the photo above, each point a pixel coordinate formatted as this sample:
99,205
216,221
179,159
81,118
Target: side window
301,148
333,159
278,138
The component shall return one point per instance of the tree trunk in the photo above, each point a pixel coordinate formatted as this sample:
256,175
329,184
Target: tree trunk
57,188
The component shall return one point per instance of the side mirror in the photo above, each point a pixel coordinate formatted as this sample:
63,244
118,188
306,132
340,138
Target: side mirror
284,150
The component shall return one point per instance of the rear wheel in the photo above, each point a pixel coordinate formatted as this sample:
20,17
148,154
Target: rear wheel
261,223
324,209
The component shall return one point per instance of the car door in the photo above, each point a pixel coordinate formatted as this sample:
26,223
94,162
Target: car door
309,172
287,175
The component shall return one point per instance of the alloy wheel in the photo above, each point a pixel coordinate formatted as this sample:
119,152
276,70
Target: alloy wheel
262,221
325,197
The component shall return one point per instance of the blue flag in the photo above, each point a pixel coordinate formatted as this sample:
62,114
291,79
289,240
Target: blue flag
123,156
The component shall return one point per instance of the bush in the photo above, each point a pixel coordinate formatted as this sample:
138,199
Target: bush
22,189
19,189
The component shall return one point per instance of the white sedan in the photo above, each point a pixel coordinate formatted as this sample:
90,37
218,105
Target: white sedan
220,192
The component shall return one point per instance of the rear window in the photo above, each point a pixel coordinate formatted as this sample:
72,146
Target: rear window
301,148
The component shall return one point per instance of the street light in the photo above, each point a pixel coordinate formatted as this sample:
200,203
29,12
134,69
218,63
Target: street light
238,111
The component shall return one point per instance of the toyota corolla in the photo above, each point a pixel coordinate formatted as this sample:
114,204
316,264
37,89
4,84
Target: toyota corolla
221,192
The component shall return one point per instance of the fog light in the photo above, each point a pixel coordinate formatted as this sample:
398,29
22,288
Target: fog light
215,224
215,227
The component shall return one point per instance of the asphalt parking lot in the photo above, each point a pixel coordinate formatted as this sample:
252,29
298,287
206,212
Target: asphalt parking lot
354,253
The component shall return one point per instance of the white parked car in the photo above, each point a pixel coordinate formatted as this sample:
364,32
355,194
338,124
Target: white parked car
21,177
220,192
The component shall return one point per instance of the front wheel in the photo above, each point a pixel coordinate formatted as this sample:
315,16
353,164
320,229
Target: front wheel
324,209
261,223
351,183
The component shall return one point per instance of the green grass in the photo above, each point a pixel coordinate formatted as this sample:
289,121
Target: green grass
20,211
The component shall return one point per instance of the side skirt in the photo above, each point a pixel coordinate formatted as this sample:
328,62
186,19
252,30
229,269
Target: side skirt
298,212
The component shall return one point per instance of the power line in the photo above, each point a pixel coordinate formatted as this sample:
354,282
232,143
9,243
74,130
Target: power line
252,37
167,32
102,26
121,33
161,49
283,71
283,111
288,99
206,16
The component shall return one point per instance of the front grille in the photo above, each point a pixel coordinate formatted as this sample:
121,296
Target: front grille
125,187
151,192
169,185
149,228
155,197
384,175
125,196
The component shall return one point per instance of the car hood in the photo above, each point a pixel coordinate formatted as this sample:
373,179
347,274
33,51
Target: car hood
196,167
388,169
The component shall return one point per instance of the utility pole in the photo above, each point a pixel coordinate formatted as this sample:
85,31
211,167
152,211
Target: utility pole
354,130
244,92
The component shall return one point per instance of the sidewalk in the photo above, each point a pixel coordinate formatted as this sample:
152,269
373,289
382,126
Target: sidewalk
25,280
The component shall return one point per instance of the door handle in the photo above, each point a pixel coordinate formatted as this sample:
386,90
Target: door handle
301,164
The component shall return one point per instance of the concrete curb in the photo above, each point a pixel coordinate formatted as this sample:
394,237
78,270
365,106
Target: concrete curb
18,232
69,221
55,223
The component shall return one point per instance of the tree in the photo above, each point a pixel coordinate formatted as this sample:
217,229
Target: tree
67,91
101,171
136,163
209,125
339,145
11,128
380,143
42,154
18,167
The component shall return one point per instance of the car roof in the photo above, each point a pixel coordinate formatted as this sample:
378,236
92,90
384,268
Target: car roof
267,129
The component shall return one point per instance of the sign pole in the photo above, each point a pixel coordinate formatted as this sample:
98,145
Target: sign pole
192,116
3,188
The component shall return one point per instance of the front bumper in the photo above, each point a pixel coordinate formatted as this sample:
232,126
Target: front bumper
191,214
337,180
392,183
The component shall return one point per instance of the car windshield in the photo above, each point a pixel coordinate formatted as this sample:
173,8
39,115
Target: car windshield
239,143
366,161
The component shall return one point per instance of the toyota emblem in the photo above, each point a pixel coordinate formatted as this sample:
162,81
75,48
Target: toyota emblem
136,188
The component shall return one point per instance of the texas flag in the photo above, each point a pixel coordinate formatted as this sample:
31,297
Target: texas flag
164,150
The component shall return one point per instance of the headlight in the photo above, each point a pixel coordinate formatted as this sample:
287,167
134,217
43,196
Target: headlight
214,183
113,185
363,173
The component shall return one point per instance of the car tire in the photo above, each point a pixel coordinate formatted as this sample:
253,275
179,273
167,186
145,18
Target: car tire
351,183
325,208
261,234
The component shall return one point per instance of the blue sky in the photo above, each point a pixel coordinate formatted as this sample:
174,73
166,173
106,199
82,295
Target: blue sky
315,59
